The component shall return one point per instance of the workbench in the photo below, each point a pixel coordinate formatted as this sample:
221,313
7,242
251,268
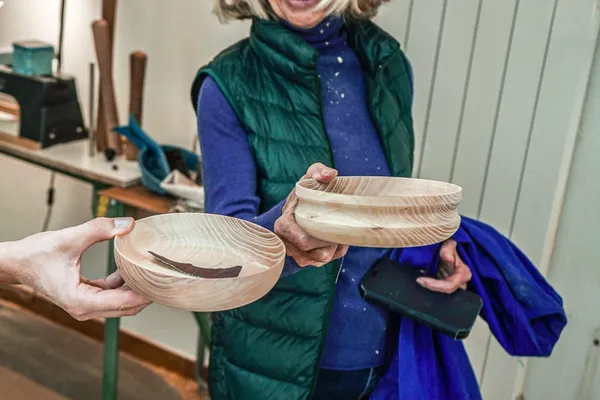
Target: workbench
116,192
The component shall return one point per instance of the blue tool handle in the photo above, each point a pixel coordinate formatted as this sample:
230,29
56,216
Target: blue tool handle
129,134
141,140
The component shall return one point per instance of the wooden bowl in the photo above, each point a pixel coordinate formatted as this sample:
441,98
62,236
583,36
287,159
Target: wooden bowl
378,211
204,240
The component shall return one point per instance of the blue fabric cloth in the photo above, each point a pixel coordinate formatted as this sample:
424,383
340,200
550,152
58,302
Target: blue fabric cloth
522,310
356,338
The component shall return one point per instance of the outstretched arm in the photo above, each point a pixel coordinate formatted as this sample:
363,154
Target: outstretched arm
50,263
228,168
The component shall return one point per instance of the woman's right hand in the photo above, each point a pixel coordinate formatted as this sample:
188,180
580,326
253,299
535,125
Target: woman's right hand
303,248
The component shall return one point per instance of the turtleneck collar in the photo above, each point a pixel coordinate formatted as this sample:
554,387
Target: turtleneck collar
293,52
328,32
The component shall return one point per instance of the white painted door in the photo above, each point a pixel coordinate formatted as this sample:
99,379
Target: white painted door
499,89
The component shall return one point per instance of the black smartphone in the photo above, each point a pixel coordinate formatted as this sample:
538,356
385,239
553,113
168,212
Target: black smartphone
394,286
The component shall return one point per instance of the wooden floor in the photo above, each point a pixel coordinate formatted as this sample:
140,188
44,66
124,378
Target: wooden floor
41,360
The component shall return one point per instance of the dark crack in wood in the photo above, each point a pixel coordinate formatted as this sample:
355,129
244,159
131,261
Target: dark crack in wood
200,272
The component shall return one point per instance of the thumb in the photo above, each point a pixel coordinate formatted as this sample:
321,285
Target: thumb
448,252
79,238
321,173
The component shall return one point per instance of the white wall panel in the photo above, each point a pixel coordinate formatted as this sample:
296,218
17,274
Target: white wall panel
497,84
564,64
482,99
445,106
517,105
423,51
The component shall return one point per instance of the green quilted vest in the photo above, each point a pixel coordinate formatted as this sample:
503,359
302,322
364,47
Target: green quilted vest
271,348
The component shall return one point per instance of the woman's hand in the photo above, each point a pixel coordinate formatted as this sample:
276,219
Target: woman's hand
303,248
454,273
50,263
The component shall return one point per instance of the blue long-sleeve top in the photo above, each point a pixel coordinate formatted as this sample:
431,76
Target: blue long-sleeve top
356,336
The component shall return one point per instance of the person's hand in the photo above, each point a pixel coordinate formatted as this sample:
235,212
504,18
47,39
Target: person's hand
303,248
453,272
50,263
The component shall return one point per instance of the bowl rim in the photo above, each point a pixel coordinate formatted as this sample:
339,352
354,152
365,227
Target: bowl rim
303,192
281,263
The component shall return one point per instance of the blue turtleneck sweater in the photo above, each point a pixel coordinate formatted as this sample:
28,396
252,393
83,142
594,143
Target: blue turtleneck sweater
357,331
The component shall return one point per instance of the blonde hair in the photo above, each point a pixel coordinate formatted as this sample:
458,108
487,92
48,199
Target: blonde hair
227,10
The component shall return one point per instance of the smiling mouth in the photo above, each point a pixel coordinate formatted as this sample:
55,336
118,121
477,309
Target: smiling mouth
302,5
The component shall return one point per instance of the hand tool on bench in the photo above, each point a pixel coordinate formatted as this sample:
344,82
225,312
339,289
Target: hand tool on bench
109,13
137,69
101,32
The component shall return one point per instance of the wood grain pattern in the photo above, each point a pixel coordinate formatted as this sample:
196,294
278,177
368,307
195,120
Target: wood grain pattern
378,211
210,241
101,31
9,107
137,69
109,14
25,143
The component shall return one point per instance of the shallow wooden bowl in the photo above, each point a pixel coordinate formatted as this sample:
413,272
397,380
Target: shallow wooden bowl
204,240
378,211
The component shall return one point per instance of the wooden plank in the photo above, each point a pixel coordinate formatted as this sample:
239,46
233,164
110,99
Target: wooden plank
140,198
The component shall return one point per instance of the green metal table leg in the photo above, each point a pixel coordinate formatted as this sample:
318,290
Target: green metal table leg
111,328
204,325
203,342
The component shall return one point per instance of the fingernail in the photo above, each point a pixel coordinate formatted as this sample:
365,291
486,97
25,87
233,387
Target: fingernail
421,282
122,223
327,172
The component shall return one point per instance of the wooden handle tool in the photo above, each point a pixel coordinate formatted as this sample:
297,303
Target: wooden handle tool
103,53
109,14
137,68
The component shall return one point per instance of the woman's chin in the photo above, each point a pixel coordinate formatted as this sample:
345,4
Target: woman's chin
300,13
304,23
